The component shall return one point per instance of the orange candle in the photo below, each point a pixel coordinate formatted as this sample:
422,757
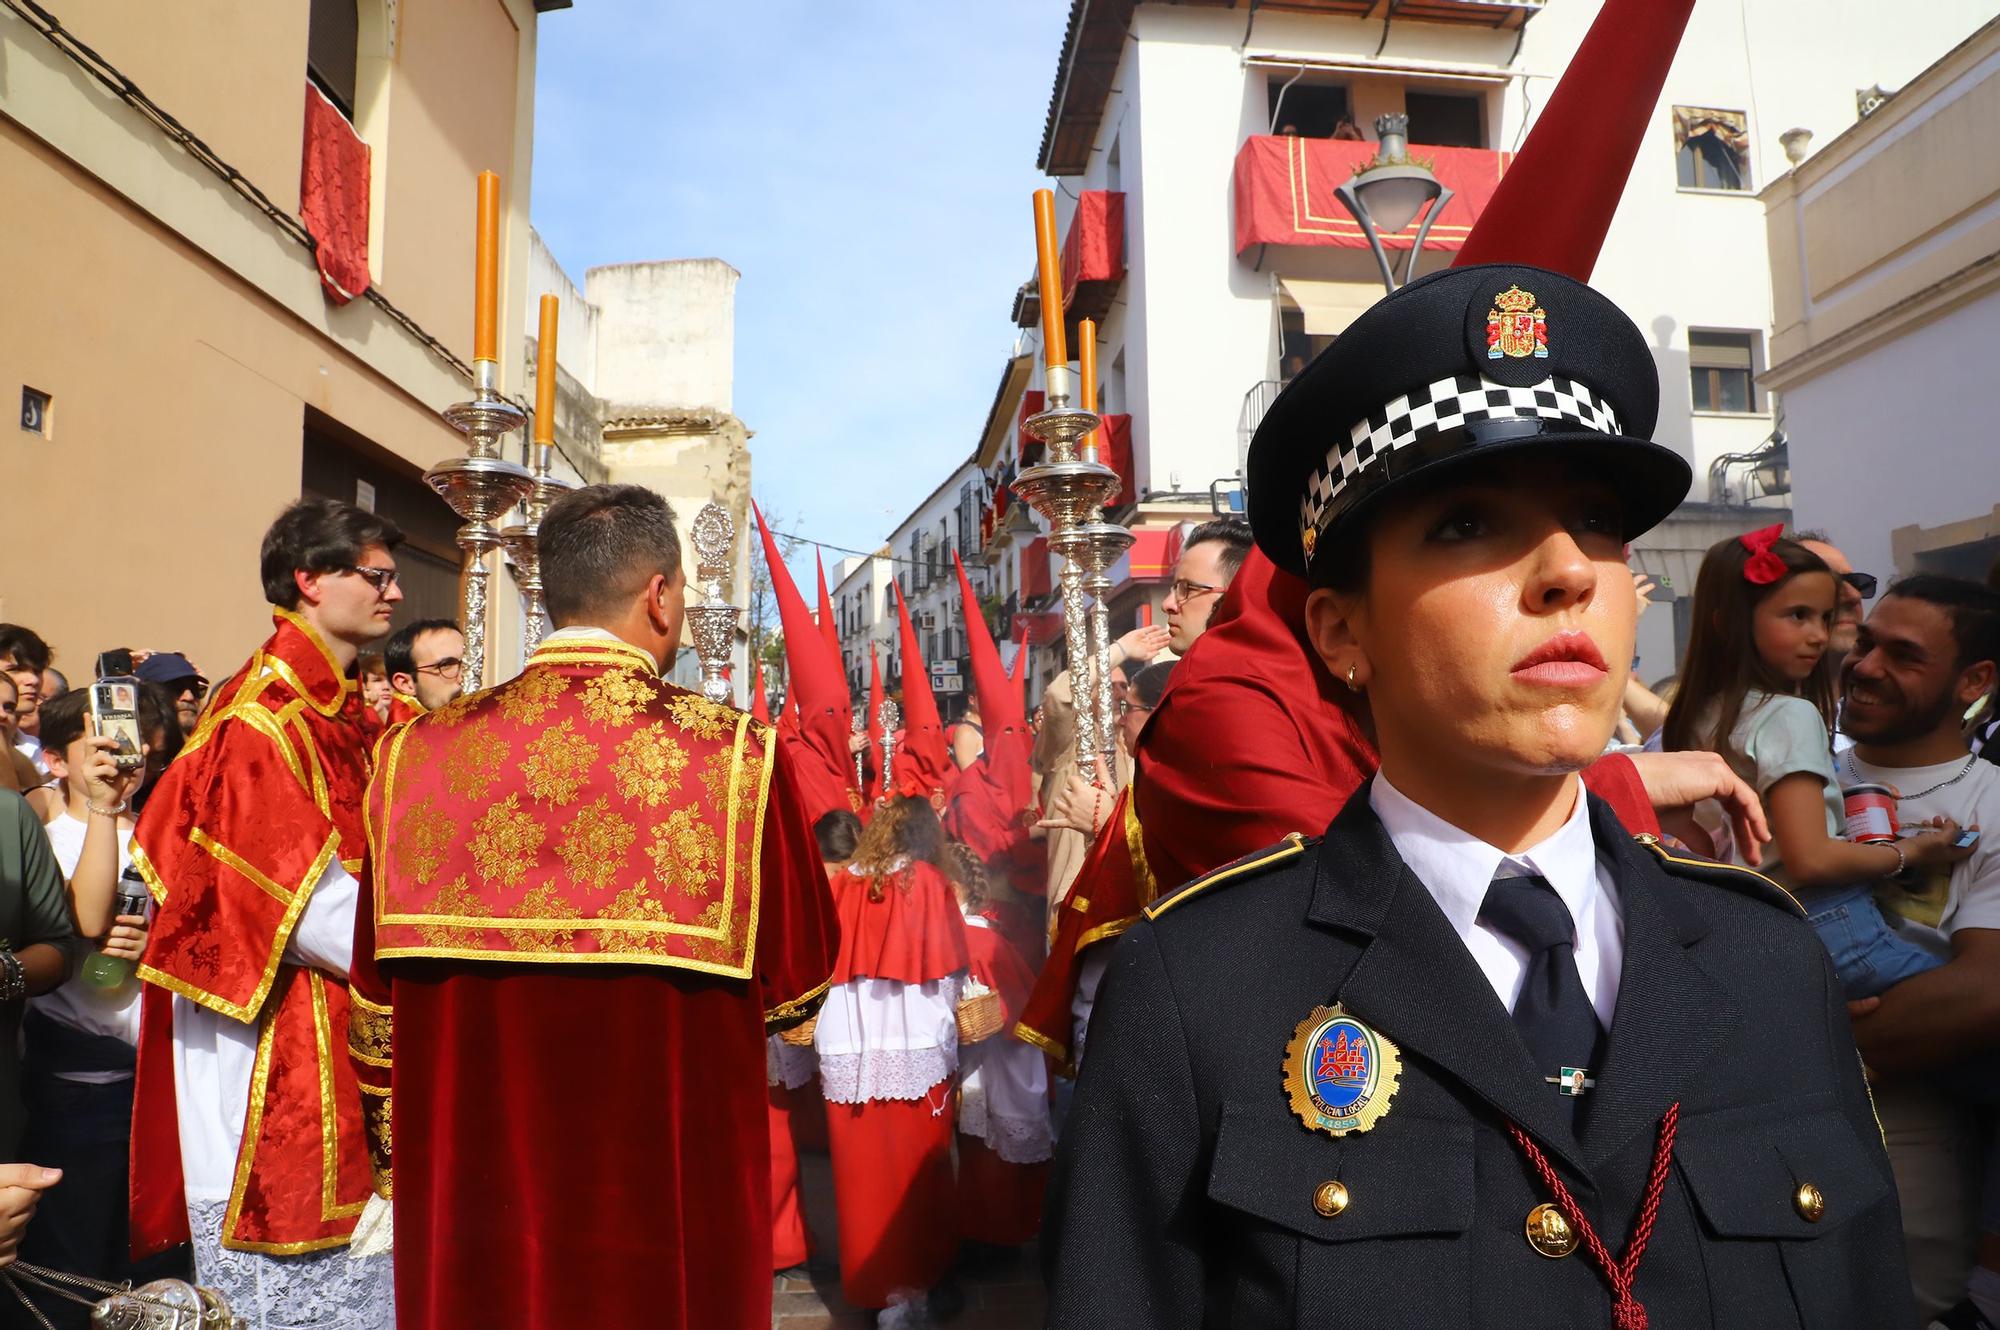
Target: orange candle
1048,269
1086,374
486,308
545,374
1086,357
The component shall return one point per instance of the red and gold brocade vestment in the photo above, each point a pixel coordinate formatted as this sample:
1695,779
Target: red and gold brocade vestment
261,805
592,894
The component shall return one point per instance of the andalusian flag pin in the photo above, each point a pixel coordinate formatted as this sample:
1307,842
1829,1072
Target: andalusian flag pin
1339,1074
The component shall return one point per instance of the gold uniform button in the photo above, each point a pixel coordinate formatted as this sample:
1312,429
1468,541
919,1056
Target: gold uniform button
1810,1202
1330,1199
1549,1233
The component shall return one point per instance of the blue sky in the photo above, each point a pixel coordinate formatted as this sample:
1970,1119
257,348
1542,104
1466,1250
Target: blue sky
865,164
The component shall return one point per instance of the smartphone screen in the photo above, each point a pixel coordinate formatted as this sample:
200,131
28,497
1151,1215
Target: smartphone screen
114,664
114,705
1966,840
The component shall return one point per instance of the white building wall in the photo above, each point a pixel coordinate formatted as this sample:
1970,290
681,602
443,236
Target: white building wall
576,317
1854,427
668,333
1199,326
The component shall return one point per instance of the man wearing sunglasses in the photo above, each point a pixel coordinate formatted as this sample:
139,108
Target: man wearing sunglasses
183,682
425,660
1853,589
248,1135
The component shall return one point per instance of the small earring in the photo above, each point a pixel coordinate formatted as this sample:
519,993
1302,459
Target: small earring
1352,670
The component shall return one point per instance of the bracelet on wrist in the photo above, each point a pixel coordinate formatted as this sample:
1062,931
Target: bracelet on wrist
1901,862
116,810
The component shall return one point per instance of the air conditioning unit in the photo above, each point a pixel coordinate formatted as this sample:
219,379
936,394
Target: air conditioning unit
927,621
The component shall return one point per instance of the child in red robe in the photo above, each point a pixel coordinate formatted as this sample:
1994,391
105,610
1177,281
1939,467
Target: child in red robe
887,1040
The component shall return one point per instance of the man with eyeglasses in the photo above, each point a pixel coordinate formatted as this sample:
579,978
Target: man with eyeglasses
1210,558
425,660
248,1134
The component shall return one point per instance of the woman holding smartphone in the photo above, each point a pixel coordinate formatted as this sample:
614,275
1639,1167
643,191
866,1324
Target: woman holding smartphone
1475,1053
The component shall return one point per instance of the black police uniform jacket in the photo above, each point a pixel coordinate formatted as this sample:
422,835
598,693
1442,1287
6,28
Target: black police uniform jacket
1183,1193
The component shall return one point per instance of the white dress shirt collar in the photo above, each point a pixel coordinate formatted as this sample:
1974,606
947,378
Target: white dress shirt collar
1456,867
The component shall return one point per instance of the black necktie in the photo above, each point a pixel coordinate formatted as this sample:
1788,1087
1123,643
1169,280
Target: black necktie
1553,1013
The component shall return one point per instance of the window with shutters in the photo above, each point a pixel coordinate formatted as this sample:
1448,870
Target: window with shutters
1711,148
1723,367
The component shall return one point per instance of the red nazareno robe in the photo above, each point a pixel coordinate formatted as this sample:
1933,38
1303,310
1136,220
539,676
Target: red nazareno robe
592,895
233,840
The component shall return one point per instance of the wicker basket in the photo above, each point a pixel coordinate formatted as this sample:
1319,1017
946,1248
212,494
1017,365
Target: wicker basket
979,1017
800,1035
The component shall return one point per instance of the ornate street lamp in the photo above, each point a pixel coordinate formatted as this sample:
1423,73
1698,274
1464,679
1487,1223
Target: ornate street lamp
1387,196
1773,468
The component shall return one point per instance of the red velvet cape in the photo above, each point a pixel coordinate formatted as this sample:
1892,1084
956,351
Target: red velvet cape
913,934
589,1145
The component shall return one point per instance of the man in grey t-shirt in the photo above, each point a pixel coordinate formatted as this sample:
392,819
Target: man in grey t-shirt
1924,656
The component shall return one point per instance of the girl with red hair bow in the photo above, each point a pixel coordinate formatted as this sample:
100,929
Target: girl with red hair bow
1755,688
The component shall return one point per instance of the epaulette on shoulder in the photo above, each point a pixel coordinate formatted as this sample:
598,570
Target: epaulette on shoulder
1291,847
1745,881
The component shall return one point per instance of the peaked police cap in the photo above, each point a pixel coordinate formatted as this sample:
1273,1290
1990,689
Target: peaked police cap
1461,365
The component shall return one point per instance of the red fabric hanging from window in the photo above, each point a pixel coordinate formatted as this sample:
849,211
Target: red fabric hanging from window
1114,449
1026,445
333,197
1035,579
1094,249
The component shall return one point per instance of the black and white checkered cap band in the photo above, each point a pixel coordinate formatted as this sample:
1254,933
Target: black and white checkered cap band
1447,404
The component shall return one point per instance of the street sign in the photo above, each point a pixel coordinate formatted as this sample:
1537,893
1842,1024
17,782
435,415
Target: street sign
946,683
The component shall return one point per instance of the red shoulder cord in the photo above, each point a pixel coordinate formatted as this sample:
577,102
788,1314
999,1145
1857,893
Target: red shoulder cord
1627,1312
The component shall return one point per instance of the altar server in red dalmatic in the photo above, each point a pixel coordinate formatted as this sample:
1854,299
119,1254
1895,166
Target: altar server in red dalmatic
247,1131
887,1040
594,894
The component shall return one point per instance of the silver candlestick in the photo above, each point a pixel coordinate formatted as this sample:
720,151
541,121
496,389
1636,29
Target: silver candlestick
523,541
713,619
1104,544
861,754
480,486
888,716
1069,491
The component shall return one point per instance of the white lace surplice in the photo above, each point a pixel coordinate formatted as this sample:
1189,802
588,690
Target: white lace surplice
1004,1098
214,1058
322,1290
879,1039
1004,1093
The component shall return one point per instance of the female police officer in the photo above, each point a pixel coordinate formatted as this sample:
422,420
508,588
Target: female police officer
1475,1057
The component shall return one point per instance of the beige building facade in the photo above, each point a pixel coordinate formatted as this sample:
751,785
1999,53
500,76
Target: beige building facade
1885,273
182,375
